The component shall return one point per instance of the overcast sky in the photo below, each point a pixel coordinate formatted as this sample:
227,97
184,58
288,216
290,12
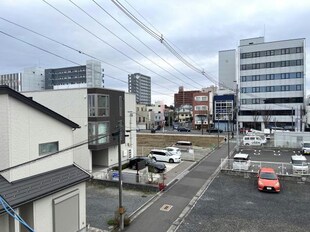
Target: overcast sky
199,28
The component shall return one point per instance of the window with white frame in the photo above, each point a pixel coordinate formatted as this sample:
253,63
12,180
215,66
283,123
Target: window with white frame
201,107
201,98
48,148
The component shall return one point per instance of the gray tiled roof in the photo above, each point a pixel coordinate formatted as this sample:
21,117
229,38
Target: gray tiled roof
32,188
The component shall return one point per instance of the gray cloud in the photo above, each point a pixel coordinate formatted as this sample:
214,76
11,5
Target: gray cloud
199,28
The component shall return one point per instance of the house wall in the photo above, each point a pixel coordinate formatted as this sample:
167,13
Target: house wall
28,128
71,104
131,125
4,223
43,208
4,131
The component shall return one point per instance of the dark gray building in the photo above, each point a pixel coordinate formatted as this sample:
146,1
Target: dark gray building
141,86
89,75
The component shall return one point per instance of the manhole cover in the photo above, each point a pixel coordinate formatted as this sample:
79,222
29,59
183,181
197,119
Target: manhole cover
166,207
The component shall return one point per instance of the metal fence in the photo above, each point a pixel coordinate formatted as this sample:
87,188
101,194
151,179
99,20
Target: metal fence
254,166
129,176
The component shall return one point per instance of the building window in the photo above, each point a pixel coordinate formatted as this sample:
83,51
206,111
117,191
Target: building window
48,148
98,133
201,98
98,105
272,52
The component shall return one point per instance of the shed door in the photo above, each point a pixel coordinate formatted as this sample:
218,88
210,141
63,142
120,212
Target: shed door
66,214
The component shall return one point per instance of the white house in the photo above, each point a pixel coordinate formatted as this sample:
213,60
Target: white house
38,178
99,112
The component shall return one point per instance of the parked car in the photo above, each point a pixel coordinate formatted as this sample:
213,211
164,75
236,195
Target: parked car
241,162
299,164
305,148
151,163
183,145
253,140
215,130
174,150
184,129
164,155
268,180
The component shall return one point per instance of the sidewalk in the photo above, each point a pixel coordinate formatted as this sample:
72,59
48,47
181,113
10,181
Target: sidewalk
166,210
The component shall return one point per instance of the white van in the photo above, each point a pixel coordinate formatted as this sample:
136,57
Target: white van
241,162
299,164
253,140
305,147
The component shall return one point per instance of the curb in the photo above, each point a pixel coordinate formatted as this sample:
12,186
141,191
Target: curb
143,207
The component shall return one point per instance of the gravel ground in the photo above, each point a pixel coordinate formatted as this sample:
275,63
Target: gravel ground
102,202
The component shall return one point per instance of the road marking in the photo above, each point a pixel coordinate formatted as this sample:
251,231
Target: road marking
166,208
275,153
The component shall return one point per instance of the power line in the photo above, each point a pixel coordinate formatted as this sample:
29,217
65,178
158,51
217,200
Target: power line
89,15
105,42
58,152
168,46
137,38
74,49
161,39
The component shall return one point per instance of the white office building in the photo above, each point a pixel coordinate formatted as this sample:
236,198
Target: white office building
271,83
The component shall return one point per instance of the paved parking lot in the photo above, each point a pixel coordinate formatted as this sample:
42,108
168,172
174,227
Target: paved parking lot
269,154
233,203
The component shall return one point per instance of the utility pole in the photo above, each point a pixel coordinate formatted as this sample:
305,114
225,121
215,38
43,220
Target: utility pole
228,137
218,131
130,128
237,116
292,118
121,209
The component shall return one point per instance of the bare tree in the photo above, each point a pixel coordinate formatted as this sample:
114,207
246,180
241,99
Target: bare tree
255,119
266,117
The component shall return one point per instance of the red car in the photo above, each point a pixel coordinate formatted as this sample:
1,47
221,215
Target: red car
268,180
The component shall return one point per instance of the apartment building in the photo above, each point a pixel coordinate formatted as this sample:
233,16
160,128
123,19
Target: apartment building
201,110
89,75
12,80
140,85
184,97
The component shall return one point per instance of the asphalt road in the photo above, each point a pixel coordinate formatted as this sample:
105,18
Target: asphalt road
233,203
166,209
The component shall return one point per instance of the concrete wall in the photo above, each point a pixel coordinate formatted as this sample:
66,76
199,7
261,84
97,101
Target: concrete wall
290,139
43,209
